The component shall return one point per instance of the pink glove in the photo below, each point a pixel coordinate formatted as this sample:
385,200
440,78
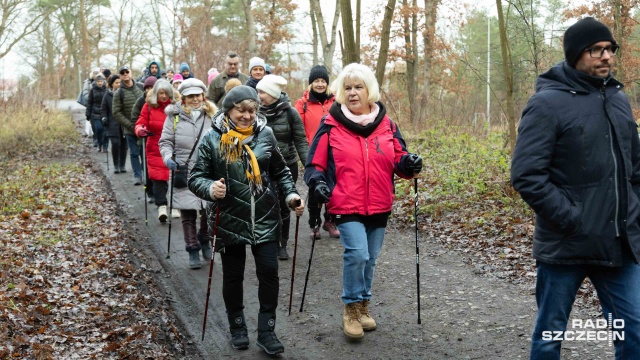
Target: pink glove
141,131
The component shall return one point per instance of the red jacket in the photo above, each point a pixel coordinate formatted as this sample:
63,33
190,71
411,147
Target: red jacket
359,170
152,118
311,111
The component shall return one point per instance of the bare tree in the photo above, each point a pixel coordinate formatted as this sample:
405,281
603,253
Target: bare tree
384,40
251,36
350,53
328,47
411,49
18,19
428,38
507,68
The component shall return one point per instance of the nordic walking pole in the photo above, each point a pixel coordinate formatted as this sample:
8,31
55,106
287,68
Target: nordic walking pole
169,216
144,168
213,253
107,151
415,190
295,251
306,280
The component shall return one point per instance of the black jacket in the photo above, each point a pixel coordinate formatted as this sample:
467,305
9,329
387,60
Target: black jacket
94,102
113,126
577,164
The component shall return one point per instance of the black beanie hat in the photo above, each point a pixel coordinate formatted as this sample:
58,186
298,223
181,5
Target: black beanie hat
112,79
583,34
106,73
318,72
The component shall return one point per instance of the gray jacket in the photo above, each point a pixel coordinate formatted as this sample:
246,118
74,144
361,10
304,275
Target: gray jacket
182,140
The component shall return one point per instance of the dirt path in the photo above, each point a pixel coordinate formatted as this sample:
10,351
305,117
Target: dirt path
464,315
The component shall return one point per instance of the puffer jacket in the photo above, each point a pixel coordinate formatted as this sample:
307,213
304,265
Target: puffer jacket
244,218
577,164
153,119
312,111
122,106
357,163
289,131
179,134
94,102
113,127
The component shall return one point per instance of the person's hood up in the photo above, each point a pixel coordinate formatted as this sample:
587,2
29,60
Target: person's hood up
159,74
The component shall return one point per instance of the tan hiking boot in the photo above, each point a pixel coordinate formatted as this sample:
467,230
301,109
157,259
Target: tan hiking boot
351,321
368,324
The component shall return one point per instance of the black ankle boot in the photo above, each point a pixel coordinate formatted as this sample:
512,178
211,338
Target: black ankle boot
238,329
267,338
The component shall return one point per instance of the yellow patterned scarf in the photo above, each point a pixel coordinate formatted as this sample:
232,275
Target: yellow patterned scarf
233,147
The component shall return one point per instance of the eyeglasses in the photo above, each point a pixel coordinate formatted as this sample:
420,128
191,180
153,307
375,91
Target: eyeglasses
598,51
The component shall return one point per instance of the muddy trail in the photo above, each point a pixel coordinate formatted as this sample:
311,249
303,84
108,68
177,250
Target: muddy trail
465,314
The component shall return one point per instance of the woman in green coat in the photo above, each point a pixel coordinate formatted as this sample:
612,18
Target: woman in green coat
238,168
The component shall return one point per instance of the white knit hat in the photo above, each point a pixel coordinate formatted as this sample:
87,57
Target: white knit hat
256,61
272,85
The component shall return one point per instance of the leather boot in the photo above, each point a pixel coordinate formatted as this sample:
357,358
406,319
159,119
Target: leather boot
238,329
351,325
267,339
282,249
368,324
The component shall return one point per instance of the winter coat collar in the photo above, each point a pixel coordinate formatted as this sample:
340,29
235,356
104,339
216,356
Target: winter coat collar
363,131
565,78
310,96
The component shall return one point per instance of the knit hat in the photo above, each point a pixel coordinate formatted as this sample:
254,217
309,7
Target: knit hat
106,73
99,77
318,72
191,86
150,81
267,68
212,76
184,66
272,85
583,34
231,83
113,79
177,77
237,95
256,61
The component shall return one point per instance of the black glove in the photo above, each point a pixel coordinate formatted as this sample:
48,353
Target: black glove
322,193
414,163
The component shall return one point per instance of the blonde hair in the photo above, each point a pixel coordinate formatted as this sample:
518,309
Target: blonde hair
208,107
360,72
231,84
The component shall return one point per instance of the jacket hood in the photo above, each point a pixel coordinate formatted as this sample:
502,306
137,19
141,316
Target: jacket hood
218,120
565,78
159,74
176,109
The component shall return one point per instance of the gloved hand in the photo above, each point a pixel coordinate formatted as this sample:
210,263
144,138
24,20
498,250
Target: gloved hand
142,132
172,165
322,193
414,163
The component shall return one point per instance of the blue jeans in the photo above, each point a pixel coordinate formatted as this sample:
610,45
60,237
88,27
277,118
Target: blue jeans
618,289
362,245
135,152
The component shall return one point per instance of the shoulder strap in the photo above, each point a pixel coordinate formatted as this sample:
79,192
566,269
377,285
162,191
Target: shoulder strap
121,94
304,106
197,137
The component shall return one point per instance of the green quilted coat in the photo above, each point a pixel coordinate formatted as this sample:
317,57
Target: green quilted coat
244,218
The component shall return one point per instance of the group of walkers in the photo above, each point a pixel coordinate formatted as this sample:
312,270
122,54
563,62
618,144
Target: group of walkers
230,152
576,163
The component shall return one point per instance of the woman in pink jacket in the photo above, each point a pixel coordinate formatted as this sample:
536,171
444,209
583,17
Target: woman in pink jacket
149,125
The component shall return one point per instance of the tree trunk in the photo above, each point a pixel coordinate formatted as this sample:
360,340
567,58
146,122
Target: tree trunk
349,51
357,26
314,27
410,59
507,67
85,59
428,36
251,30
619,36
384,41
328,47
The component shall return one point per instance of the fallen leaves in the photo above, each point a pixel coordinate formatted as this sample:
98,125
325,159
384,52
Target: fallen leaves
68,288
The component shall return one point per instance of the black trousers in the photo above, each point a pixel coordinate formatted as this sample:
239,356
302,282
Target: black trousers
285,210
160,188
233,263
118,151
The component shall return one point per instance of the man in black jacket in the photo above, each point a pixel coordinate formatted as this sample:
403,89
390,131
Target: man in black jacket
577,164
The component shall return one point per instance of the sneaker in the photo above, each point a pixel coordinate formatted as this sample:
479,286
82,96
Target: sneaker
151,200
162,213
194,260
175,213
315,232
331,228
368,324
268,341
123,170
138,181
351,325
116,171
282,253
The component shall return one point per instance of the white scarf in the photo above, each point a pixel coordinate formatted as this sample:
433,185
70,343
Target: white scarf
364,119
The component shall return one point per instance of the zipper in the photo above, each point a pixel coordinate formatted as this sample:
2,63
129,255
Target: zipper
366,174
615,160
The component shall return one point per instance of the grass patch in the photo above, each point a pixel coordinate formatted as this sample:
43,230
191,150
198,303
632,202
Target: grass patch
28,128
